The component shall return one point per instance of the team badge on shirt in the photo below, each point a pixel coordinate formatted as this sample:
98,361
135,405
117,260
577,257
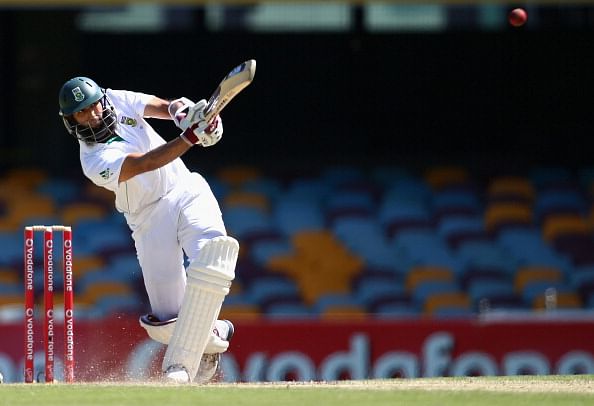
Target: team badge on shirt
128,121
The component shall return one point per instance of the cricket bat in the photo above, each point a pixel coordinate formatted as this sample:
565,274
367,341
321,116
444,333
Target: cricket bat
235,81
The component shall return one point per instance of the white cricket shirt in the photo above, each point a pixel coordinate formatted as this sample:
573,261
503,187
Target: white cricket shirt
102,162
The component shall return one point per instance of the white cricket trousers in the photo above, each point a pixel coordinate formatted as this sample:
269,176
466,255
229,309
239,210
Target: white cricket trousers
182,221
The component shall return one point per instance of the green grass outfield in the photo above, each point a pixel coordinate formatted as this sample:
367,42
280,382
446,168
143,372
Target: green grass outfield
483,391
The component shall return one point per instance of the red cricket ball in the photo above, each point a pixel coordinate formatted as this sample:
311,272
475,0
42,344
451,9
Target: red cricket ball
517,17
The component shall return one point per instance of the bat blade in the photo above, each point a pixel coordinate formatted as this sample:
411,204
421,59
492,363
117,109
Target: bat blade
235,81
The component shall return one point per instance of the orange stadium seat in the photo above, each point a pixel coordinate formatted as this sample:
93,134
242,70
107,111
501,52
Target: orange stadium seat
320,264
498,215
96,290
23,209
511,188
236,176
559,225
9,274
87,263
343,312
28,178
530,274
420,274
440,177
74,212
447,300
561,300
11,299
240,312
287,264
314,284
249,199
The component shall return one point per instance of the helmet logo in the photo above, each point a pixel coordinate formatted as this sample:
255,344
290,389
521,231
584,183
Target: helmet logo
78,94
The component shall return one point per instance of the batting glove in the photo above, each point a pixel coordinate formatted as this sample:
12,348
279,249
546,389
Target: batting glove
185,113
204,134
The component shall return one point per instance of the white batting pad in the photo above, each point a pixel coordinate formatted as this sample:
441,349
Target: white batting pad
209,279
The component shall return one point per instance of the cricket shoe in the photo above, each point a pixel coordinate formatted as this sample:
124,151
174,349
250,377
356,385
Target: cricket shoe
210,369
176,374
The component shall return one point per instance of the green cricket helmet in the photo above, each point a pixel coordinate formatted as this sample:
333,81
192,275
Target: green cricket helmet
78,94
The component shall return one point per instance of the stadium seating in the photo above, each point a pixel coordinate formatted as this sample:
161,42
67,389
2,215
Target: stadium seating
441,177
448,303
517,189
344,242
502,215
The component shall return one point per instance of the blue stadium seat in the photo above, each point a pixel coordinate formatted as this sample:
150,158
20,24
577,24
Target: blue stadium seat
219,188
537,288
288,311
405,205
409,190
291,216
423,247
266,288
110,304
459,228
11,248
339,175
453,313
391,212
396,311
455,199
238,299
372,289
528,248
581,276
60,189
489,289
125,265
350,200
244,220
103,275
582,281
559,201
485,254
366,238
309,189
262,251
590,301
424,290
328,300
11,288
266,186
93,236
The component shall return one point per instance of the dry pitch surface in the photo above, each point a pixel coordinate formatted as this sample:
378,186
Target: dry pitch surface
569,384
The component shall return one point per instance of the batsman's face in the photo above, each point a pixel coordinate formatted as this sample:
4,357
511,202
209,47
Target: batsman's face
91,116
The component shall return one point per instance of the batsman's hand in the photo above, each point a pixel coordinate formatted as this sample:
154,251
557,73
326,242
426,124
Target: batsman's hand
203,133
185,113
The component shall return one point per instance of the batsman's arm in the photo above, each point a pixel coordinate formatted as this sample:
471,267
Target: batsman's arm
184,112
137,163
157,108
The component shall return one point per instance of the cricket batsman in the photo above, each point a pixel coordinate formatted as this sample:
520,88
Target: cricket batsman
170,211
